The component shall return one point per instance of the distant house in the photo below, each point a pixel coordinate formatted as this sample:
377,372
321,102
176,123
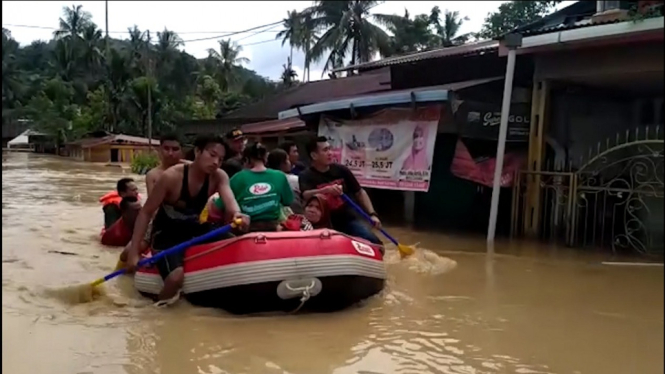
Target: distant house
106,147
24,141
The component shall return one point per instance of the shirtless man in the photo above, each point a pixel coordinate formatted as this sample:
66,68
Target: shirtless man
170,153
178,198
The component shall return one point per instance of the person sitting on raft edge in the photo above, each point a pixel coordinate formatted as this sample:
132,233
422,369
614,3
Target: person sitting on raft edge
125,187
178,198
120,233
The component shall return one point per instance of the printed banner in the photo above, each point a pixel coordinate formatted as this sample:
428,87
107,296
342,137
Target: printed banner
482,171
391,149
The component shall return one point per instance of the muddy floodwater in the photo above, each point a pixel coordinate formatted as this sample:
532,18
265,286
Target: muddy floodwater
526,309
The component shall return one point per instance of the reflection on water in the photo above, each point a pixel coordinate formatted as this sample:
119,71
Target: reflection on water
527,309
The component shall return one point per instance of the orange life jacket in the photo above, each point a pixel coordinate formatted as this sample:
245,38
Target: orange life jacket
111,197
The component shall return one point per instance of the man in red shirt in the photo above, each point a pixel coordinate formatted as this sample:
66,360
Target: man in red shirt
120,233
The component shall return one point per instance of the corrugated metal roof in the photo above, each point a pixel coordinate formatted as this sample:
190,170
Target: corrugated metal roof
475,48
117,139
420,94
313,92
578,25
272,126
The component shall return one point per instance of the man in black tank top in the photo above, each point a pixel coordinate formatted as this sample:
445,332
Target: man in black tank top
178,198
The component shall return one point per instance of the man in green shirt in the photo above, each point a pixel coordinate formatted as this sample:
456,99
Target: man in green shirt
261,192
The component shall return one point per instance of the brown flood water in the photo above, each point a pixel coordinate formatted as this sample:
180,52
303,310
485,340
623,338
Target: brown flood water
523,310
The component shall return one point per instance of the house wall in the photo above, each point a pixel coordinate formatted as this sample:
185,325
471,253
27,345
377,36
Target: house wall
127,152
595,95
76,152
580,119
99,153
600,62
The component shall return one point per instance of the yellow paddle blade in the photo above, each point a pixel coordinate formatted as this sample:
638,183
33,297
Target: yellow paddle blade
405,250
97,282
203,218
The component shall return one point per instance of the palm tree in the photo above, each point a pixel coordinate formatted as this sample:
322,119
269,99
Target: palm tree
226,61
347,31
291,32
167,52
448,30
64,58
409,35
10,74
289,75
91,39
168,43
73,22
307,39
138,45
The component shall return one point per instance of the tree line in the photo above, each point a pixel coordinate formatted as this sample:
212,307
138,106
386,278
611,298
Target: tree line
80,81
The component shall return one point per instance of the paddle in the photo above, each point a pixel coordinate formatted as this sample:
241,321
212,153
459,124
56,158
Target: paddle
87,293
404,250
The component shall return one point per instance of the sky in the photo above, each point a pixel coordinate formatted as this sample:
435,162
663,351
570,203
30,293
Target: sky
211,19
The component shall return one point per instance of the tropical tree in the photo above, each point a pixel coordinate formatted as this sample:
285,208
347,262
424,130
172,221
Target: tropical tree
447,32
346,32
73,22
225,63
292,29
513,14
11,80
289,75
408,34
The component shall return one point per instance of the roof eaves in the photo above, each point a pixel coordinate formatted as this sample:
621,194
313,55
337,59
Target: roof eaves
471,49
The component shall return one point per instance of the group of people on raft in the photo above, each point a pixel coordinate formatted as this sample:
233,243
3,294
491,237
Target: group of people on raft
229,181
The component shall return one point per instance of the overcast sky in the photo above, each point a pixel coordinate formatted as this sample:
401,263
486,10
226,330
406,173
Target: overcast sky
206,19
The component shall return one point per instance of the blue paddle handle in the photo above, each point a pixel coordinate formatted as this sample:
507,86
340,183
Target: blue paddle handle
180,247
366,216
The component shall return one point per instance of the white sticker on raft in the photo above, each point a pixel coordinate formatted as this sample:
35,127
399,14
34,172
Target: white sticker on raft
363,249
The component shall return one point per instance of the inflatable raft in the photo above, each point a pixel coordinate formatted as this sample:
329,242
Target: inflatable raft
320,270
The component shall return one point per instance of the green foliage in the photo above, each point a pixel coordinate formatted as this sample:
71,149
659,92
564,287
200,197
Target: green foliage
143,162
71,85
76,83
346,31
513,14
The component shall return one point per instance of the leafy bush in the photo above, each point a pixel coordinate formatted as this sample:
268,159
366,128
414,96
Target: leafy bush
143,162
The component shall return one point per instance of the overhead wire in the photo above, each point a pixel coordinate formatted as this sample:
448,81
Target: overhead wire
270,26
10,25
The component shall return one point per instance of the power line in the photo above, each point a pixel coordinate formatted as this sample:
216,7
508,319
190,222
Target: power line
233,33
127,32
194,40
261,42
257,33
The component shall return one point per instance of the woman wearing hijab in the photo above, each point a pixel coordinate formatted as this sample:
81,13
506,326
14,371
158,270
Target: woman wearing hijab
417,159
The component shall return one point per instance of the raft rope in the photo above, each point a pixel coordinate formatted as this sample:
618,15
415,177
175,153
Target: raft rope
305,295
213,249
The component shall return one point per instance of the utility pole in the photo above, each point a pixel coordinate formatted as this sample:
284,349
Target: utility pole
108,67
512,42
106,8
149,76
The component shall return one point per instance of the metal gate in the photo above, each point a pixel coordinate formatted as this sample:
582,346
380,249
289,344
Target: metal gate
613,200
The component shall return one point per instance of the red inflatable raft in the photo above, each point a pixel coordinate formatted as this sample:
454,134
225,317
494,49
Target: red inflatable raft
320,270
